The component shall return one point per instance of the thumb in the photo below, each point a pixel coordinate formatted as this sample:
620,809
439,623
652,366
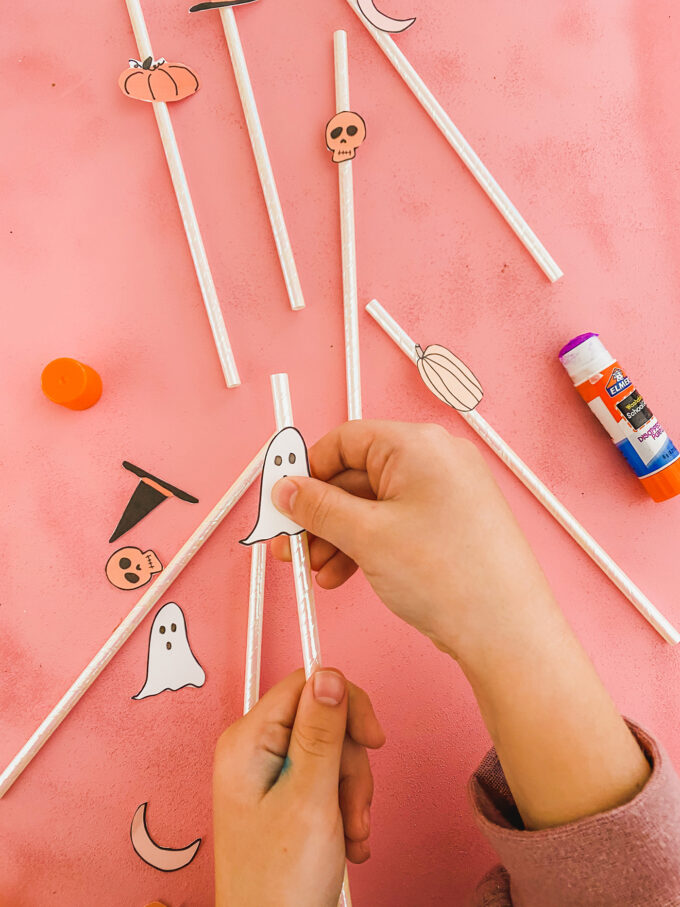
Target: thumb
318,735
326,511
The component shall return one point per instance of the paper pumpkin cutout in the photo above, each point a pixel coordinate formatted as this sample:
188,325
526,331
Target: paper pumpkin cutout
171,664
448,378
148,494
344,133
131,568
157,80
218,4
285,456
167,859
380,20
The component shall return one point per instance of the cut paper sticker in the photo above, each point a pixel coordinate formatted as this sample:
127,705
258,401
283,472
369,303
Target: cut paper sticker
380,20
171,664
344,133
285,456
148,494
217,4
167,859
157,80
130,568
448,378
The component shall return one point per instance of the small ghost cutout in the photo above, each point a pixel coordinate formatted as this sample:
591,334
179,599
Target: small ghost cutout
130,568
285,456
171,664
344,133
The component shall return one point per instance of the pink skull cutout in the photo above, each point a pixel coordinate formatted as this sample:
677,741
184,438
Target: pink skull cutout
344,133
130,568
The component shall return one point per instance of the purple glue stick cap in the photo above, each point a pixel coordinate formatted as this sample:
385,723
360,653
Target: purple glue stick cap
577,341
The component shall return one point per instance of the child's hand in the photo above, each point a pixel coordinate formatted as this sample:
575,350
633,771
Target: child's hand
292,790
434,537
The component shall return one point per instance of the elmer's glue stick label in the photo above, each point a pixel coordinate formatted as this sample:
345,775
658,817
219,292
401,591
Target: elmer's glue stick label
622,411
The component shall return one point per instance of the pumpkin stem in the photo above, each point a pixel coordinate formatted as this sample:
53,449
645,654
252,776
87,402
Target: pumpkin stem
419,351
147,63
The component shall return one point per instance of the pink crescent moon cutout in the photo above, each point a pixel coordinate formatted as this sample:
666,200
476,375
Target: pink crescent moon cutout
164,858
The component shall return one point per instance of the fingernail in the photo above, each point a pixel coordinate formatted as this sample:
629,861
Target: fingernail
329,687
366,821
283,495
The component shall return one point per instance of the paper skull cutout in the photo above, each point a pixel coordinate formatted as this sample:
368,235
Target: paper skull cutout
130,568
171,664
286,456
344,133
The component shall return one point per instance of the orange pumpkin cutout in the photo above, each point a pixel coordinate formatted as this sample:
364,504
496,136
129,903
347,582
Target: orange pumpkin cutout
156,80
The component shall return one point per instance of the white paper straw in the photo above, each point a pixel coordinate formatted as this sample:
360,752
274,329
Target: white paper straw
127,627
251,691
348,240
186,207
462,148
302,574
543,494
264,167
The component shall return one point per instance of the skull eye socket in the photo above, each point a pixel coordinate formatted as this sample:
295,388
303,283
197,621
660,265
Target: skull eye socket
291,458
132,577
173,627
124,563
162,629
352,130
337,132
278,460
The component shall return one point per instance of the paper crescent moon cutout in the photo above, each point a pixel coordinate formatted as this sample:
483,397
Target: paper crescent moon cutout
380,20
164,858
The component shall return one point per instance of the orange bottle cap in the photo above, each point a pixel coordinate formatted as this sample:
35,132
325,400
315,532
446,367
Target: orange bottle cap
156,904
71,383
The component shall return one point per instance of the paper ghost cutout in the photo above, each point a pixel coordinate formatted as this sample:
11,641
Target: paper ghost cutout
171,664
130,568
286,456
167,859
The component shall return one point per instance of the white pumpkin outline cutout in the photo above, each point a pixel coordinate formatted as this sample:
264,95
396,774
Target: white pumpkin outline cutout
171,665
449,378
285,456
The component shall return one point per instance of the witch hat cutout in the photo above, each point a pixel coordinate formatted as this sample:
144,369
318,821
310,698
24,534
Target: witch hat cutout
149,493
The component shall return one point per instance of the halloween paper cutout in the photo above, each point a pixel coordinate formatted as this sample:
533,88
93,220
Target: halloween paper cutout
218,4
344,133
380,20
448,378
285,456
171,664
157,80
167,859
148,494
131,568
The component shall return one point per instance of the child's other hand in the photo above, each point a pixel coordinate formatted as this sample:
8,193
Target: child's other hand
292,790
419,511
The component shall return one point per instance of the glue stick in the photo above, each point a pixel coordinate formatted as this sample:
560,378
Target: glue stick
619,407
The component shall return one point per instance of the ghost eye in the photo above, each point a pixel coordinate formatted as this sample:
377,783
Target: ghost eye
291,458
278,460
337,132
162,629
124,563
352,130
173,627
132,577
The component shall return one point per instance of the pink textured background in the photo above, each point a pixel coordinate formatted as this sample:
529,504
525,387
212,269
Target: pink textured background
575,112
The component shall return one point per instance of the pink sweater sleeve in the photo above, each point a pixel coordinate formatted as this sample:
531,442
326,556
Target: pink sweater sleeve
628,857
